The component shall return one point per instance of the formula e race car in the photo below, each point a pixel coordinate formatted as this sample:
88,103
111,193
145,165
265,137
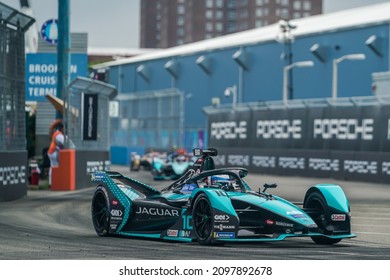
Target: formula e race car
215,206
170,167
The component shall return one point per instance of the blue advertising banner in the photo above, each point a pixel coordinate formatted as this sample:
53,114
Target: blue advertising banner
41,73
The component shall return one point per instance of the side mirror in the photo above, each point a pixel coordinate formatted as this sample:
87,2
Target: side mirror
269,186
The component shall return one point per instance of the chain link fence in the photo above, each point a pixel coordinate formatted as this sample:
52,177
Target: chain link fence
149,119
12,96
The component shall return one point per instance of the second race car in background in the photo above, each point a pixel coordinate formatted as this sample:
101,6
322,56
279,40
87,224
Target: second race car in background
170,166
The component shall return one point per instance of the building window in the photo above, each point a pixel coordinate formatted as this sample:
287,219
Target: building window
219,26
296,15
259,23
259,2
219,3
209,26
180,20
243,3
244,14
283,13
209,3
180,9
284,2
259,12
208,36
297,5
232,15
209,14
179,42
180,31
307,5
231,27
219,14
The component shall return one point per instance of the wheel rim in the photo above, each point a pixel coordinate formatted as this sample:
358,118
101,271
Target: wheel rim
202,219
100,212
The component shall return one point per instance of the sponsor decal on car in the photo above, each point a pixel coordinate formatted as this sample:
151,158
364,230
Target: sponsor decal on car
96,176
113,226
184,233
157,211
338,217
188,187
269,222
172,232
224,235
115,202
222,218
296,214
223,227
283,224
116,213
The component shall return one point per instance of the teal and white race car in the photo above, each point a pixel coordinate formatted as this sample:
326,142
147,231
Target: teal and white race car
211,205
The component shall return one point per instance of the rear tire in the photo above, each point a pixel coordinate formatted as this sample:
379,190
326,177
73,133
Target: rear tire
316,201
100,212
202,219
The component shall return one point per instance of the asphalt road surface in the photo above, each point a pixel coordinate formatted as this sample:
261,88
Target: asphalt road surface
57,225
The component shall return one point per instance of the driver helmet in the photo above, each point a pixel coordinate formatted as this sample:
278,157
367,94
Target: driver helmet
220,179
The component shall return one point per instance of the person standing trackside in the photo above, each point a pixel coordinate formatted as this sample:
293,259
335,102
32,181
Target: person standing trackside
57,144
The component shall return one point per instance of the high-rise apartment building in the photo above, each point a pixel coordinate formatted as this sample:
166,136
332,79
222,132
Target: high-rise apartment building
168,23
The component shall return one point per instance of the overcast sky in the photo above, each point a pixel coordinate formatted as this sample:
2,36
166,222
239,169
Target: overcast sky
115,23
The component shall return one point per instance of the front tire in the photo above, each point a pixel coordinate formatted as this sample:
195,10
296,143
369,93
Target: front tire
317,202
100,212
203,220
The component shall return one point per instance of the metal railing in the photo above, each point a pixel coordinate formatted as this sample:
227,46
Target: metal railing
303,103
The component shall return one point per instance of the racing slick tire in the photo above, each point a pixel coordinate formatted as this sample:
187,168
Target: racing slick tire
202,218
316,201
100,212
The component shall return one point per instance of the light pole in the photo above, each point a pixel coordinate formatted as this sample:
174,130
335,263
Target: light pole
355,56
286,69
286,38
232,91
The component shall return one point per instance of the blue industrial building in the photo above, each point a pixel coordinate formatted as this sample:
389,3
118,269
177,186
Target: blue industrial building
253,62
